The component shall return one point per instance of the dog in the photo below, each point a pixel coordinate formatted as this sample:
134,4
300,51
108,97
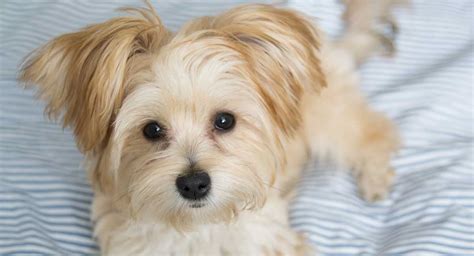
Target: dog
194,140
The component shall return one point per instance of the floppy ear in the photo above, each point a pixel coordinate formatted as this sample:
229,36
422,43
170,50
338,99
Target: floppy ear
283,49
81,75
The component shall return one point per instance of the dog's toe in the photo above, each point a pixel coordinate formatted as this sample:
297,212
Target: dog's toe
375,186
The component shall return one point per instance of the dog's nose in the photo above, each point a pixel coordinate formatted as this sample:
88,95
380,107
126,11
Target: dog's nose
194,186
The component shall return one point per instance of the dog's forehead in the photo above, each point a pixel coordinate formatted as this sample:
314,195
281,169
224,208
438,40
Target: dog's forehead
193,81
191,85
201,62
200,70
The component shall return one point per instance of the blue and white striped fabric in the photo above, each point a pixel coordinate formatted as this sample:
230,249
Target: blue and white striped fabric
45,197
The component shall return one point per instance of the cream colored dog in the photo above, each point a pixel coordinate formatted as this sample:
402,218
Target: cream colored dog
194,140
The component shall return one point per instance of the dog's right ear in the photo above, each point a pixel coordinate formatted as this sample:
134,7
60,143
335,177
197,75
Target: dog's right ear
81,75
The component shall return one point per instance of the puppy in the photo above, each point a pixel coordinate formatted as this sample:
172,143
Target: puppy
194,140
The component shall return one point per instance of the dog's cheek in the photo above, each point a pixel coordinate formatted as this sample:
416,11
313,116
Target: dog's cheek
152,192
145,182
249,166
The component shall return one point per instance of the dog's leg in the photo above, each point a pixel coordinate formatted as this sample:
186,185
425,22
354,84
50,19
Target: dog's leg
340,124
370,28
342,127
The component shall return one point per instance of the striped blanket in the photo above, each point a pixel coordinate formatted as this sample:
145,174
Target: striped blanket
427,89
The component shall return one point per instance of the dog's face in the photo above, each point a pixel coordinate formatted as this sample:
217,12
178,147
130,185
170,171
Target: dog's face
188,128
195,141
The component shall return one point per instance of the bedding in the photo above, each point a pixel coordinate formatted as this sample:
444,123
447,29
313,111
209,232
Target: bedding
426,88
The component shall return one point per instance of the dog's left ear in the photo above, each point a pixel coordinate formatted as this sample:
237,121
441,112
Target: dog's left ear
81,75
283,49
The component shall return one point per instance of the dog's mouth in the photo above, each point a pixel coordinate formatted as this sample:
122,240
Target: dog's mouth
197,205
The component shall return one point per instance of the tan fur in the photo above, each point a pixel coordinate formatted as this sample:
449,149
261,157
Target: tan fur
82,73
294,95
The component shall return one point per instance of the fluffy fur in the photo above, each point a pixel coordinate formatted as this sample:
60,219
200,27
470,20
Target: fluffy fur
294,95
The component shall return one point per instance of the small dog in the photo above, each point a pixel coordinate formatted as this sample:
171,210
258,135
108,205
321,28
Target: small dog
195,140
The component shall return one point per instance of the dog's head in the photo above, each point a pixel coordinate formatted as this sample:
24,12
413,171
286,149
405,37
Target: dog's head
189,127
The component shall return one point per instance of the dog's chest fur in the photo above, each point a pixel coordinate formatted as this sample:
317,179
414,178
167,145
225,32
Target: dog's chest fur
265,231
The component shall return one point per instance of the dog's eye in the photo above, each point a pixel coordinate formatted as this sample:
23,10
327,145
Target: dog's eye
153,131
224,121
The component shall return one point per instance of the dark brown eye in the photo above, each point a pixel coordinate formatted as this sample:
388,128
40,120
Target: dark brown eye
153,131
224,121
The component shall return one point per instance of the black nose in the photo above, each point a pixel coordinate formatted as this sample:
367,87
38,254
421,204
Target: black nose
194,186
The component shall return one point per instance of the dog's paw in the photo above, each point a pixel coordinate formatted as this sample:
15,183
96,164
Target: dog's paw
386,30
373,18
375,185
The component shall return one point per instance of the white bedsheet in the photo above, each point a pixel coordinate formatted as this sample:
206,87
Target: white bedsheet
45,197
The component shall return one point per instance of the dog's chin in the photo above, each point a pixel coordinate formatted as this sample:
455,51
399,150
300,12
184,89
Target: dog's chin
201,213
189,215
197,205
